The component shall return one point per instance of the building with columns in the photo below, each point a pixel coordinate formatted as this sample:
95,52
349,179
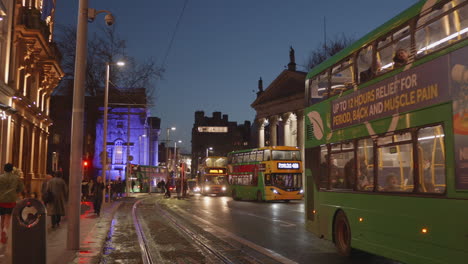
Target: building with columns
29,72
279,119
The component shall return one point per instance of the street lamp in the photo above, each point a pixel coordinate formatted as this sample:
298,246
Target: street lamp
104,131
85,15
167,143
208,150
174,163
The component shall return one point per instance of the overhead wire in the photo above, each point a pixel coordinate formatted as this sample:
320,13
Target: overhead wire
173,34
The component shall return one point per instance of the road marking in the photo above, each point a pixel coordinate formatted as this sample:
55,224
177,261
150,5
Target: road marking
282,223
268,252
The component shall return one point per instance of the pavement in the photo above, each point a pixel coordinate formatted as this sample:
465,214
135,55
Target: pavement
94,231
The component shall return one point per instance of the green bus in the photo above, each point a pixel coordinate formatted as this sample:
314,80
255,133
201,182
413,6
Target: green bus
386,139
266,174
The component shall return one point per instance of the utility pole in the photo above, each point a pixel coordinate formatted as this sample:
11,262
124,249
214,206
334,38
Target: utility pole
128,153
76,145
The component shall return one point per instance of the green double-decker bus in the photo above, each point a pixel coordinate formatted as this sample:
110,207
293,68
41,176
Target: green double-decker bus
386,139
272,173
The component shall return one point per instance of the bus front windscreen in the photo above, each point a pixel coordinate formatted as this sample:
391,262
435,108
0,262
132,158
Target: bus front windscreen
285,181
210,179
286,155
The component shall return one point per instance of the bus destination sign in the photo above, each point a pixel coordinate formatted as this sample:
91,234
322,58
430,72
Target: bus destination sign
288,165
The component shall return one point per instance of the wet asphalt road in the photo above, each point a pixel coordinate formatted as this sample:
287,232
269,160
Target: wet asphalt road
246,232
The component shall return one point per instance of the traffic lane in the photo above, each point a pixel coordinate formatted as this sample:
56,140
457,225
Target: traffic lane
277,226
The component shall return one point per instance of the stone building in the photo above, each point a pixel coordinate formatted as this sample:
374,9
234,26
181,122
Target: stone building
128,131
279,108
218,133
29,72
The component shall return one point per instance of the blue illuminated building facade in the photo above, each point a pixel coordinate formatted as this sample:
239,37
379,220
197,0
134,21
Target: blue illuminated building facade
128,134
128,122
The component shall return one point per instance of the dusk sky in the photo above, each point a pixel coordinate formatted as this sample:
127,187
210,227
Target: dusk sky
221,48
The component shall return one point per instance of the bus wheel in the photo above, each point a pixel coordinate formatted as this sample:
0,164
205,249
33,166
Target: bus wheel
259,197
234,195
342,234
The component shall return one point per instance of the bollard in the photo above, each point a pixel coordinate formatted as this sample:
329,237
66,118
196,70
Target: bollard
29,232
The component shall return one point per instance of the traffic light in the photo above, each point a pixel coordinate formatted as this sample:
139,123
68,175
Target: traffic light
86,165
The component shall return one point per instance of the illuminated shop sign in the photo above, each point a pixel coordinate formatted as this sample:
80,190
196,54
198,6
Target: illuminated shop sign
288,165
205,129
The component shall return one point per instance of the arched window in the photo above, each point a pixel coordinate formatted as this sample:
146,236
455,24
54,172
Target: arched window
118,152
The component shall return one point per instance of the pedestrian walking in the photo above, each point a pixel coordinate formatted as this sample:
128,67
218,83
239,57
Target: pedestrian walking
119,187
10,186
84,190
163,186
44,185
133,185
98,192
59,189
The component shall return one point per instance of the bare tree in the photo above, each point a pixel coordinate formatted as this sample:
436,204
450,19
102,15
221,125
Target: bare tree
328,49
106,46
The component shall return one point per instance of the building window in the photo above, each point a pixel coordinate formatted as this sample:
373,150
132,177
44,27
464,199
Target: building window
118,152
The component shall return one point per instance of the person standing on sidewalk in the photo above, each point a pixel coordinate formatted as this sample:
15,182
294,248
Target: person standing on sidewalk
59,189
98,192
10,186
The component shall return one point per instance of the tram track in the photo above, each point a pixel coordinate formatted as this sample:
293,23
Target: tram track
215,249
199,240
145,252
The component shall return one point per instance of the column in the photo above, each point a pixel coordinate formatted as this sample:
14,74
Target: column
287,129
273,131
261,132
294,130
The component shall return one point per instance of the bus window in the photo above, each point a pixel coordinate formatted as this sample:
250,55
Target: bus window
253,156
365,169
267,179
324,84
432,159
267,155
286,155
432,35
287,181
315,91
323,167
342,77
341,176
259,155
390,46
364,64
395,168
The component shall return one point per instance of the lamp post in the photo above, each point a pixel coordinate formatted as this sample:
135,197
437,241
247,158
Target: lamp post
167,143
85,15
104,130
208,151
175,164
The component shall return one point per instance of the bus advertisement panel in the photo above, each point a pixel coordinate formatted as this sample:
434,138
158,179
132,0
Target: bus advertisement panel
386,154
266,174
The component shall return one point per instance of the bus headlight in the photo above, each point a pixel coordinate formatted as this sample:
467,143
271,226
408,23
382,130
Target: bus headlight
207,188
275,191
196,189
223,188
301,191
